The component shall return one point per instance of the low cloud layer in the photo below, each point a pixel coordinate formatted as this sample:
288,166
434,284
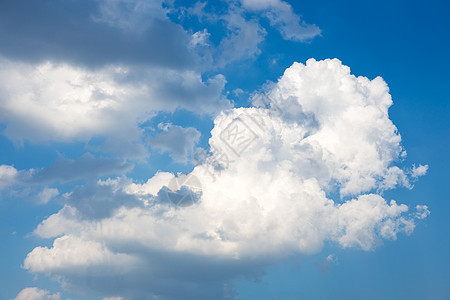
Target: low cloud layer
306,166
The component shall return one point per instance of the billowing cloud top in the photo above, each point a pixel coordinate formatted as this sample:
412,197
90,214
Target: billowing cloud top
305,166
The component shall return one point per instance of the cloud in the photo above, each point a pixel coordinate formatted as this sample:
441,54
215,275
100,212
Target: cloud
60,102
134,16
422,212
8,175
281,16
138,63
33,183
99,201
243,29
136,32
33,293
352,132
177,140
85,167
419,171
200,38
64,170
47,194
242,40
306,166
93,33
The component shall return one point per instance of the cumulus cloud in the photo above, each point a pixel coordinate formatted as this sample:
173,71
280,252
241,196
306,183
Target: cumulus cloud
33,293
353,132
305,167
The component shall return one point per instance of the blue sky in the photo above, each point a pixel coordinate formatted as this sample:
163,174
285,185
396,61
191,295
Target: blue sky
103,104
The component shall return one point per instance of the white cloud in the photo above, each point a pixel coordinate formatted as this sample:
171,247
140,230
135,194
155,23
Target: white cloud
266,194
345,122
242,40
46,195
8,175
61,102
33,293
200,38
422,212
78,255
282,17
86,167
419,171
244,30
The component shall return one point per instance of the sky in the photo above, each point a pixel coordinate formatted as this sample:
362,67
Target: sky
248,149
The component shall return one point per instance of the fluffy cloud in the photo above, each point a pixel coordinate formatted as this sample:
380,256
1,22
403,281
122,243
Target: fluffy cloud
306,166
325,265
33,293
61,102
347,124
56,89
419,171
